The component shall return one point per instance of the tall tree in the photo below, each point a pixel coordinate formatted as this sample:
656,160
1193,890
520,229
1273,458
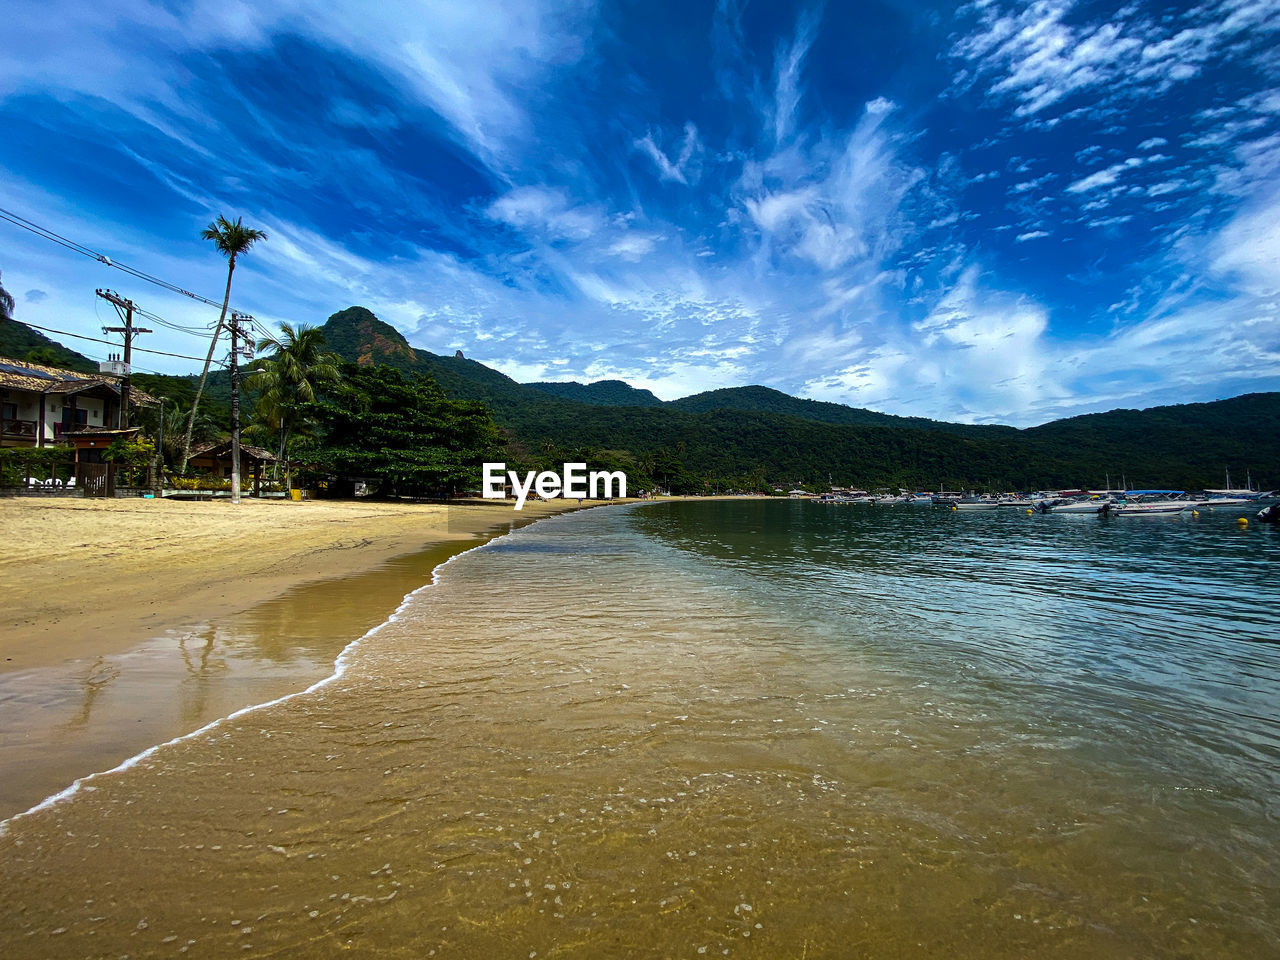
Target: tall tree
231,239
403,435
288,379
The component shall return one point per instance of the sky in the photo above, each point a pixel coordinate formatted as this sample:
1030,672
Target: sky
986,213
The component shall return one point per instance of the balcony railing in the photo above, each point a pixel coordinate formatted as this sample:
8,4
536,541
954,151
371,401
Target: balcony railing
18,429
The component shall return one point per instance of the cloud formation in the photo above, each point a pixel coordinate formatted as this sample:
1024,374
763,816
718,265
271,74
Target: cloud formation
1026,211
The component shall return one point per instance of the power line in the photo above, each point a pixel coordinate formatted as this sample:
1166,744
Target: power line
111,343
92,254
179,327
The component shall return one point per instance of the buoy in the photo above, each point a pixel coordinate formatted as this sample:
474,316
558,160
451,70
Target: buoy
1030,512
954,508
1195,513
1243,522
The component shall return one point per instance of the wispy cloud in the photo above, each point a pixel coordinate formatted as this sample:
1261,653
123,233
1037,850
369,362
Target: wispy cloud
1030,214
668,169
1043,54
788,70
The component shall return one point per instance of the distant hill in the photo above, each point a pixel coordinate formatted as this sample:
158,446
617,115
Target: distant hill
18,341
767,400
601,393
359,336
736,432
1186,446
747,436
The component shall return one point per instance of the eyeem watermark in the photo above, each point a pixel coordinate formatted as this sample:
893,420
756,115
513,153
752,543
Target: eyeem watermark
575,482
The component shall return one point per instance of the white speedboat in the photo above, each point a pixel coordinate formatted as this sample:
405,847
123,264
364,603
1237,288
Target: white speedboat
1091,505
1155,503
976,503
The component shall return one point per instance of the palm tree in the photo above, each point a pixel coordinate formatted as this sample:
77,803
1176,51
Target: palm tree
231,239
288,378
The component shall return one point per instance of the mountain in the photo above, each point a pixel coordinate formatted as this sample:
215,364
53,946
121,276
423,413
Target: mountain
746,437
601,393
1187,446
357,335
767,400
18,341
745,431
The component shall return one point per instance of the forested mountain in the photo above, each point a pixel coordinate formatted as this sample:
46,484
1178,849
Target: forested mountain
20,342
602,393
754,437
767,400
1186,446
724,436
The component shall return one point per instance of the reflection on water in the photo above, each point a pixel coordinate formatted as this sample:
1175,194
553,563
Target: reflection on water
186,678
688,731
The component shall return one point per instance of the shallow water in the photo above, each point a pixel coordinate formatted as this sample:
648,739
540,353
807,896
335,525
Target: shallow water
69,720
744,729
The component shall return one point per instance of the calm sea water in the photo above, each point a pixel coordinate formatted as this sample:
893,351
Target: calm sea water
728,728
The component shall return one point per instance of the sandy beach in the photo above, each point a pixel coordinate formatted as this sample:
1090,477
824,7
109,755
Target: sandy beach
88,577
130,622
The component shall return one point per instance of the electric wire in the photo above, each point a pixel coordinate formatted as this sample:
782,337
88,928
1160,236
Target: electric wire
92,254
112,343
77,247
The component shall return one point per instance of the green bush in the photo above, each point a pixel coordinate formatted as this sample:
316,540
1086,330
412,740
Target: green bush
18,463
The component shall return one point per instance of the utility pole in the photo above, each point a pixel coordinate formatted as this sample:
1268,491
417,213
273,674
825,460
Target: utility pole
125,308
236,319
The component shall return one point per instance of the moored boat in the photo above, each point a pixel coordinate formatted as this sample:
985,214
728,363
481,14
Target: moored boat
976,503
1085,505
1155,503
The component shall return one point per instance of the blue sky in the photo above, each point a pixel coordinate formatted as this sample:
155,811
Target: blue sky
999,212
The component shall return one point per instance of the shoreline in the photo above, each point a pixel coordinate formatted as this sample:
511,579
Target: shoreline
156,639
86,578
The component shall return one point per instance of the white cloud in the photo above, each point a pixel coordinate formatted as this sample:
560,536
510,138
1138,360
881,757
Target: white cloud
667,168
1030,235
464,60
1042,53
1248,249
634,246
787,71
546,211
978,351
1105,178
834,205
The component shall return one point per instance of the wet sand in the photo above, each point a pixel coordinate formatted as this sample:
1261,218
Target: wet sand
129,622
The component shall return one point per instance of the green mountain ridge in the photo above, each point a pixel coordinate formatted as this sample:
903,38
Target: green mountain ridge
742,431
20,342
767,400
602,393
751,436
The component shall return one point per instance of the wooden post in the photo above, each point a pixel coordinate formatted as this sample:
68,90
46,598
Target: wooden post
129,331
235,409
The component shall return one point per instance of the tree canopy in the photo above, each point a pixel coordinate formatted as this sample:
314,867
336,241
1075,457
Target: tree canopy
400,434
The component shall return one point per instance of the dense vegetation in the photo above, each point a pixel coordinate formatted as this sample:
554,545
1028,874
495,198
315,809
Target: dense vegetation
413,422
766,400
399,434
602,393
20,342
744,437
